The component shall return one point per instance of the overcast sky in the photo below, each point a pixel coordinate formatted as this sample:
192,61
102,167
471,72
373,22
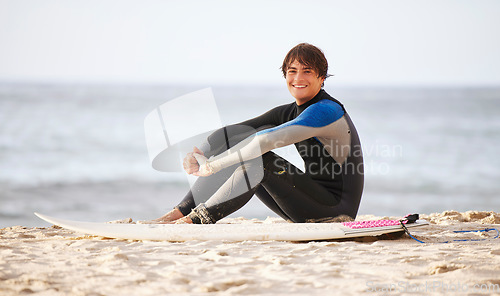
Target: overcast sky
384,42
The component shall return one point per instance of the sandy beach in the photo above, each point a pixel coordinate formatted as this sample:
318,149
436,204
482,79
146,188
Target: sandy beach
55,261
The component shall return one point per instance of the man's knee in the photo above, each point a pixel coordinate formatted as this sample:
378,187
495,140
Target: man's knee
252,171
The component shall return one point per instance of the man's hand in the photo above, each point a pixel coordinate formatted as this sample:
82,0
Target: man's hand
204,169
190,163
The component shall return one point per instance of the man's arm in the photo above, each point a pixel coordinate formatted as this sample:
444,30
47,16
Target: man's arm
228,136
315,121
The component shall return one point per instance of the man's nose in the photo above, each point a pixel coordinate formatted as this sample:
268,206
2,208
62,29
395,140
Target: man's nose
298,76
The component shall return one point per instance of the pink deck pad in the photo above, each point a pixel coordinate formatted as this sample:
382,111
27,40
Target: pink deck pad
372,223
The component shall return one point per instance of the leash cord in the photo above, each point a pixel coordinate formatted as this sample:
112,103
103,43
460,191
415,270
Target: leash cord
456,231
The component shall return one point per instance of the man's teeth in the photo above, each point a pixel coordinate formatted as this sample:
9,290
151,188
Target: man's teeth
300,86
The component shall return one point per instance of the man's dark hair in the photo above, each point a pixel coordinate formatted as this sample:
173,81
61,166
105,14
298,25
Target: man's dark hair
308,55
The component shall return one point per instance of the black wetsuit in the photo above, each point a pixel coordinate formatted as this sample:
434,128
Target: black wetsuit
325,138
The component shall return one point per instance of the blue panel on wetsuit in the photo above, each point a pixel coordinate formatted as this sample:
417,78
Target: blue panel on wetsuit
320,114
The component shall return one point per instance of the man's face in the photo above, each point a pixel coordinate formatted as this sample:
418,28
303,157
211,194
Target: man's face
303,82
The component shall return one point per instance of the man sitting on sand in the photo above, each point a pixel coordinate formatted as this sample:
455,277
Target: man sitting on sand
236,162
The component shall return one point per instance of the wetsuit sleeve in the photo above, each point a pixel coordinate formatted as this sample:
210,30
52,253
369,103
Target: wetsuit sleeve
228,136
313,122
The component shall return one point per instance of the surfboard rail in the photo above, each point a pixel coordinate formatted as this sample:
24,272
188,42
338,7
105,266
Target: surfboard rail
229,232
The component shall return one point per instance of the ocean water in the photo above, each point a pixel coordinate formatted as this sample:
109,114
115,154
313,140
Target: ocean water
79,151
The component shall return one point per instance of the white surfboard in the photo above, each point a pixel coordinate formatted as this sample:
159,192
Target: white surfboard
230,232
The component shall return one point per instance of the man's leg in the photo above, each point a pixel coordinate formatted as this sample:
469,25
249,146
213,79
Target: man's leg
231,195
294,195
202,189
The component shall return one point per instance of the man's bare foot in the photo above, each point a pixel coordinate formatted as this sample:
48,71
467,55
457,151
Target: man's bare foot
183,220
169,217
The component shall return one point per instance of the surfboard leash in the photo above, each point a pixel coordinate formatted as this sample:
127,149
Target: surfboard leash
414,217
